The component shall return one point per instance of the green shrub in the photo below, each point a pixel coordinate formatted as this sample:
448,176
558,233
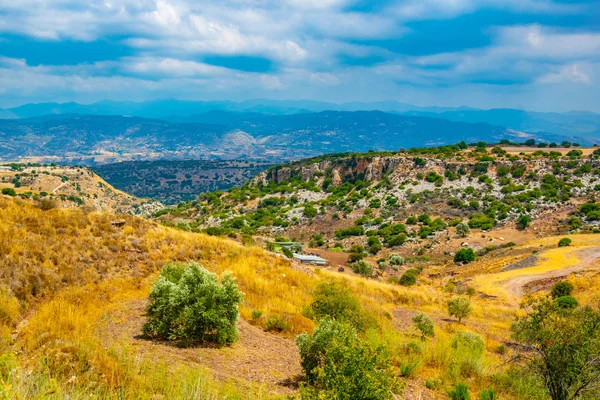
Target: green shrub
338,364
334,300
278,323
348,232
407,370
561,289
567,302
460,308
256,314
523,221
575,223
464,255
468,353
362,267
432,384
357,252
565,347
396,259
564,242
488,394
462,229
309,211
460,392
481,221
287,252
424,324
189,304
409,277
9,191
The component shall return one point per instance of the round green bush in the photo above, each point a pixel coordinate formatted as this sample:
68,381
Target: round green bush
396,259
465,256
190,305
409,277
567,302
564,242
362,267
561,289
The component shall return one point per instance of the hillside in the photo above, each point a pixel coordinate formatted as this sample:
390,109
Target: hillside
73,311
173,181
56,186
89,140
407,203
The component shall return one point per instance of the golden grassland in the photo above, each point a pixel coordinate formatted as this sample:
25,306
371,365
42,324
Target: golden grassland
62,271
552,261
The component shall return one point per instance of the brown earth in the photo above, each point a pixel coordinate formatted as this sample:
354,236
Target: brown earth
258,358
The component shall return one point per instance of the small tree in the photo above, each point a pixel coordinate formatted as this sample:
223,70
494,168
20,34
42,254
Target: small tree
338,364
465,256
462,229
362,267
460,308
357,252
565,346
189,304
523,221
425,325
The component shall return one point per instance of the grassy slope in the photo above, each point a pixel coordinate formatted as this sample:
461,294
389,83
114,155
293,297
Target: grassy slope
72,273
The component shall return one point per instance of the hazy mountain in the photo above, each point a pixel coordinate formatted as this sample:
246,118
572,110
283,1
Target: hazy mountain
93,139
576,123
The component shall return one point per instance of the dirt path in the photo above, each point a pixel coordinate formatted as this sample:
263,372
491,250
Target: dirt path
516,286
258,358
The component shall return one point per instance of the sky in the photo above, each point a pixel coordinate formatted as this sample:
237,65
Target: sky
531,54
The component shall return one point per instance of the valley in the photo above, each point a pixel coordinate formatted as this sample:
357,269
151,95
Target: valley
73,317
173,181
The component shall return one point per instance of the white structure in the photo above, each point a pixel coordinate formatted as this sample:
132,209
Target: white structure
312,260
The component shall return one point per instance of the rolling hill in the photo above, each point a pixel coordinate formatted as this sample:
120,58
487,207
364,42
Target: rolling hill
96,139
574,123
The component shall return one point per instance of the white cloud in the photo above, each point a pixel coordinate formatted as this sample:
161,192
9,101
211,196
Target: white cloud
307,41
170,67
569,73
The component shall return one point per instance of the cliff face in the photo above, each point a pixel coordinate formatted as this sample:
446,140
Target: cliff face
400,167
342,169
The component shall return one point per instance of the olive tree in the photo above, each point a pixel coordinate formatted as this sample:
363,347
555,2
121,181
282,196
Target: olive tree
565,347
462,229
189,304
425,325
460,308
339,364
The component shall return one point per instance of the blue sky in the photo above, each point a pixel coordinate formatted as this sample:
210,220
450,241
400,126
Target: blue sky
532,54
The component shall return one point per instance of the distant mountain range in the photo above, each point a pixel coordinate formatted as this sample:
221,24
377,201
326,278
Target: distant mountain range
580,124
218,134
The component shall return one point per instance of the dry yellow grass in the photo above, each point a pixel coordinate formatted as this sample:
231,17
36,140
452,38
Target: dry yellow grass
66,270
551,262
